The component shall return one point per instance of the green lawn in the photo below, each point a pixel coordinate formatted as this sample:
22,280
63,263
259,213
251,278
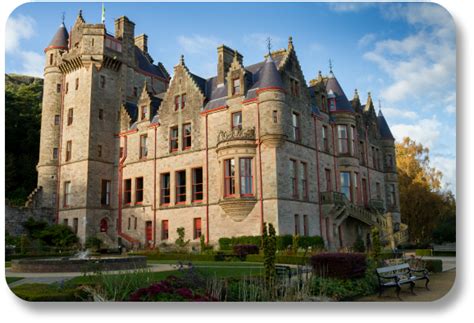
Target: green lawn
13,279
8,264
210,263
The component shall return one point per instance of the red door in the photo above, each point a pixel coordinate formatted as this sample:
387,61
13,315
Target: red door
104,225
149,232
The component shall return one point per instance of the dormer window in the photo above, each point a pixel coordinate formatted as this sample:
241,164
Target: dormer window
179,102
295,87
332,104
144,113
237,120
236,86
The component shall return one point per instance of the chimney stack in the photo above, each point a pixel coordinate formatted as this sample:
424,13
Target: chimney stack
141,42
225,56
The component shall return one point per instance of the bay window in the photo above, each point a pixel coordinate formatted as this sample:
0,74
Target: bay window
246,176
174,139
186,136
229,177
343,139
345,178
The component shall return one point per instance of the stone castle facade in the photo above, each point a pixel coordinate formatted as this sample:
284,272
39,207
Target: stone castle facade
128,153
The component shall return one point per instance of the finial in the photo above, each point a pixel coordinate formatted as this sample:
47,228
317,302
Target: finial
330,66
181,60
290,42
370,95
80,13
380,106
63,16
356,94
269,45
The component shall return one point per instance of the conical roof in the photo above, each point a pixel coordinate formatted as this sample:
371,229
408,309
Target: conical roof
60,39
383,127
334,88
268,76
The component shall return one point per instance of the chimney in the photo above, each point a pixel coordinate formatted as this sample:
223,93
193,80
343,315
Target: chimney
125,31
225,56
141,42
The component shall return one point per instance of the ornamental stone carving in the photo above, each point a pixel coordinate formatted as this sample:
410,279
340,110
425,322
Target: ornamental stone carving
236,134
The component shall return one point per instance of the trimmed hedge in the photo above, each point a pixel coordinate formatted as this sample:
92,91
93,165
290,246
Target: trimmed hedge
444,253
424,252
176,256
434,265
339,265
48,293
283,242
245,249
281,259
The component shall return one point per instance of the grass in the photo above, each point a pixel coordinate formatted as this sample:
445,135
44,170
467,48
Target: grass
8,264
46,292
210,263
13,279
92,279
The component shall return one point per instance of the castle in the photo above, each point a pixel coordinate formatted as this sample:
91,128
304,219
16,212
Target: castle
128,153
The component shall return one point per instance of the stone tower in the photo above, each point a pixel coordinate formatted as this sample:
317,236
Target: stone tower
51,118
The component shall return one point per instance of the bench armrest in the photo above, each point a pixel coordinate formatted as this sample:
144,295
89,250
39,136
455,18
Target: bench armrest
396,277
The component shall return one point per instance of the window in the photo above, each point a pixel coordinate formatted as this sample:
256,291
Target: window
50,59
296,126
379,159
70,116
275,116
102,81
353,141
67,87
357,188
332,104
345,178
66,222
229,177
127,192
164,229
58,88
325,139
364,192
68,150
165,189
55,153
246,177
236,86
327,173
305,225
297,224
67,194
186,136
144,113
362,153
295,87
139,190
75,225
179,102
181,187
135,223
237,120
393,198
56,119
197,228
197,185
304,180
389,160
294,178
374,158
143,146
99,150
105,193
101,114
342,135
378,190
174,139
77,84
129,226
135,92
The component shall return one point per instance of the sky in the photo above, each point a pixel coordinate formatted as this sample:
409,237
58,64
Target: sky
403,53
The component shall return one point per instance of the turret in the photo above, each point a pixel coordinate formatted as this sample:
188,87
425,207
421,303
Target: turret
51,117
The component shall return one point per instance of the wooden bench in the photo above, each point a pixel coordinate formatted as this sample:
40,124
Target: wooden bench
282,271
398,275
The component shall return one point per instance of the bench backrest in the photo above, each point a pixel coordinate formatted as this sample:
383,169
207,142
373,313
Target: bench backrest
383,270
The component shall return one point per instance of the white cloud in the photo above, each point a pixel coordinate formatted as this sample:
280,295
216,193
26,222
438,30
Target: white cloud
32,63
425,131
198,44
348,6
258,41
18,28
448,167
397,112
365,40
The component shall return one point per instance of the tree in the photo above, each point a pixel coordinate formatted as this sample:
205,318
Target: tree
269,254
422,203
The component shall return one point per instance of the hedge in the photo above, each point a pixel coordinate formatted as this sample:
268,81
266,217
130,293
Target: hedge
424,252
283,242
177,256
339,265
281,259
245,249
444,253
48,293
434,265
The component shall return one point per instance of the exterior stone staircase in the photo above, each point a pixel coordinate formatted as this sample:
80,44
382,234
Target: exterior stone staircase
107,241
33,200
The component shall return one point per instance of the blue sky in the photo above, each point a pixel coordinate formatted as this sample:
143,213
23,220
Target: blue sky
404,54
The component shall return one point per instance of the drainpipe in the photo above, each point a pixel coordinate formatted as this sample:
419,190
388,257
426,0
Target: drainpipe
334,148
207,183
317,176
154,191
367,161
260,168
58,171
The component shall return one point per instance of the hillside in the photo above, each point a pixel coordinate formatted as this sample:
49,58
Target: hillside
23,96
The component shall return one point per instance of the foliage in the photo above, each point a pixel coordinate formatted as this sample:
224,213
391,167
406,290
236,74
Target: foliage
34,227
22,112
339,265
176,256
59,235
48,293
269,251
358,245
281,259
295,244
283,242
433,265
180,242
376,245
93,243
423,252
205,248
315,242
445,230
422,204
245,249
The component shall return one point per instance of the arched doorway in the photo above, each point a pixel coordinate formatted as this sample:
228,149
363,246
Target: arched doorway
104,225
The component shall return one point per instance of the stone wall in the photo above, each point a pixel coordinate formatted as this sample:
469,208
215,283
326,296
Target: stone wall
16,216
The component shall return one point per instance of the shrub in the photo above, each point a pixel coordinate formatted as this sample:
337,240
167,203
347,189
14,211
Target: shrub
376,245
433,265
295,244
47,293
358,245
316,242
423,252
225,244
245,249
339,265
180,242
283,242
269,252
93,243
59,235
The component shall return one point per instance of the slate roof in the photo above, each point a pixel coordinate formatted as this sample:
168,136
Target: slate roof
145,65
60,39
342,103
132,109
383,127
